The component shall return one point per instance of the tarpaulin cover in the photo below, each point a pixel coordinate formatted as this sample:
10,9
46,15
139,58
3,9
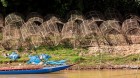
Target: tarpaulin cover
44,56
60,62
37,59
14,56
34,60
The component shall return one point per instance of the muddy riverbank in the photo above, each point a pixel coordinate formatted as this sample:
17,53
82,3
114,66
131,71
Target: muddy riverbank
78,67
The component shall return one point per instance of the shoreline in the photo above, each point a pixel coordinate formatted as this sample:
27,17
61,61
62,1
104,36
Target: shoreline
97,61
115,67
84,67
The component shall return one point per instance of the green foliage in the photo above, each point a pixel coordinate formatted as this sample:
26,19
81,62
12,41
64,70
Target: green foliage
20,49
127,59
62,7
4,3
78,59
53,48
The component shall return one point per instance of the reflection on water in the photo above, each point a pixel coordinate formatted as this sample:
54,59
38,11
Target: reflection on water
104,74
82,74
50,75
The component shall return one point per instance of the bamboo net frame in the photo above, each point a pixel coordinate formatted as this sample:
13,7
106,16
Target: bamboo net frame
51,30
31,30
91,29
111,30
11,32
131,29
95,16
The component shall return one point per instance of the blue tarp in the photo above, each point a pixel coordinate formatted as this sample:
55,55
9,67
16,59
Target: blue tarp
34,60
60,62
13,56
44,57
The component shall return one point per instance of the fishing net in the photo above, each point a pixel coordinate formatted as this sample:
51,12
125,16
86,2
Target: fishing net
95,15
72,28
1,26
75,29
94,18
14,18
52,30
13,22
1,21
90,33
130,27
33,16
12,31
74,15
31,30
111,30
79,30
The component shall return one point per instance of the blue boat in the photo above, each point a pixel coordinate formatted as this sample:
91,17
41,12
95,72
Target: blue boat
36,71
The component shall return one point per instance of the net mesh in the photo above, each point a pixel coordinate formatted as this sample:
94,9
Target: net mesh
52,30
95,15
111,30
92,29
130,27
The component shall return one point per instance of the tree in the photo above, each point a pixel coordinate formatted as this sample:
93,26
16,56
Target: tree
61,7
4,3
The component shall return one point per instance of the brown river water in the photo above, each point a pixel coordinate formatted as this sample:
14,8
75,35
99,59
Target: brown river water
82,74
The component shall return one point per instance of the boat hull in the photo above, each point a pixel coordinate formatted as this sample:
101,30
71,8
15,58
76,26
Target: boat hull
37,71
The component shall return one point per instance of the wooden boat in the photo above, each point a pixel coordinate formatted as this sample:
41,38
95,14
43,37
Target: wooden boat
35,70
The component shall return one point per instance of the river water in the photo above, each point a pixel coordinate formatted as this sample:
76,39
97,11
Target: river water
82,74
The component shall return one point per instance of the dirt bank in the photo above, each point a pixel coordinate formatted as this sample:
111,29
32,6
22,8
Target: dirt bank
120,50
78,67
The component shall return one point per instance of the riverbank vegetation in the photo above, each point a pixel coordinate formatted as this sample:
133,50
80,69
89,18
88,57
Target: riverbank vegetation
74,56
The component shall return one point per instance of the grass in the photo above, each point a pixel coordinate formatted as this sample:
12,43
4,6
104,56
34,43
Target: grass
72,56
